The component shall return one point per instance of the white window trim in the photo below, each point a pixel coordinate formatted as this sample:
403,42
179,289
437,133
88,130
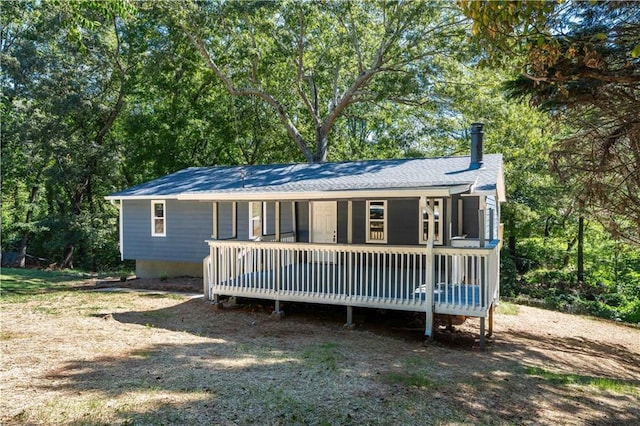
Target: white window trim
385,229
251,236
432,203
153,218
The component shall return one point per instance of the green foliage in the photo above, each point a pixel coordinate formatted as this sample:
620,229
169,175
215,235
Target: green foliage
546,271
614,385
324,356
313,63
506,308
576,60
509,278
100,96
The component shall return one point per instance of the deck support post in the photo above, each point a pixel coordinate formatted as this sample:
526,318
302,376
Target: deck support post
482,337
277,313
350,324
428,326
490,330
217,304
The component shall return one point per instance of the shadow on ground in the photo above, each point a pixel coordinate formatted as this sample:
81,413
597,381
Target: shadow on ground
306,368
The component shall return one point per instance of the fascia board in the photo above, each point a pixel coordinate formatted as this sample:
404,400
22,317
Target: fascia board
326,195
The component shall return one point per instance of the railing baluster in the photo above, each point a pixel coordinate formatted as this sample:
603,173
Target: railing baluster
376,276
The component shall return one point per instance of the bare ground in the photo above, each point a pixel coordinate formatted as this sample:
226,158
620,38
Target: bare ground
99,357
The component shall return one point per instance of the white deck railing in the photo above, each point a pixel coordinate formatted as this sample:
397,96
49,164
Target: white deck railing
464,280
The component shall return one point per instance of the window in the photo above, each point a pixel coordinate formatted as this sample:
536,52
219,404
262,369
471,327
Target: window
377,222
255,220
436,206
158,218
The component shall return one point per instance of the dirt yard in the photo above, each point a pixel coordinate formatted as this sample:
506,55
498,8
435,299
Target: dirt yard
91,356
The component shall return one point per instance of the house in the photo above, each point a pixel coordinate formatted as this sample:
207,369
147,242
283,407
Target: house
420,234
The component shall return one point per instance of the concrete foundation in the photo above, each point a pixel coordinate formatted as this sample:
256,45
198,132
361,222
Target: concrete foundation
160,268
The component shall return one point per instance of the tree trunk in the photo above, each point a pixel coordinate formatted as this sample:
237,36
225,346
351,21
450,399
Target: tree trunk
581,249
19,262
567,253
320,155
67,261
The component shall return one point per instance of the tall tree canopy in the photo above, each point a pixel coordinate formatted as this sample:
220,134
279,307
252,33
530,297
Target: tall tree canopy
310,61
580,61
61,100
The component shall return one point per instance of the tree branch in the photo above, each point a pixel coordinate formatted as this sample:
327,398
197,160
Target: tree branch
250,91
312,109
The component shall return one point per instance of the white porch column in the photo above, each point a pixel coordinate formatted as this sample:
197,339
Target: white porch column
429,284
277,213
481,227
349,222
482,220
234,219
294,228
448,225
214,235
349,323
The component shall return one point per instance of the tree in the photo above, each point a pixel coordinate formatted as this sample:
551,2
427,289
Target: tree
311,61
178,113
62,99
581,63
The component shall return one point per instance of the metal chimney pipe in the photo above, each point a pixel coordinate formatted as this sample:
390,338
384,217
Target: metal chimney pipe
477,138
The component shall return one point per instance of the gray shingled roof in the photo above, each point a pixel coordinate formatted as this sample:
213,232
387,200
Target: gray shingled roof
320,177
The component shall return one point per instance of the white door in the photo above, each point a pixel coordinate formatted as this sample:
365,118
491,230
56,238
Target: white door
324,221
324,229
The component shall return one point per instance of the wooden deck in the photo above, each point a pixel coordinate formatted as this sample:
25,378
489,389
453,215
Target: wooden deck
455,281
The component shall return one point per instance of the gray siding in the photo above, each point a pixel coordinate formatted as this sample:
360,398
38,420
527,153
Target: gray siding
359,222
243,220
225,220
343,215
302,221
454,216
470,208
188,225
491,205
286,217
270,220
403,222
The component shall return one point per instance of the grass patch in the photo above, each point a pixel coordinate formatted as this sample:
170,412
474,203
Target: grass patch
507,308
415,373
143,354
17,284
416,379
605,384
49,310
323,356
289,409
8,335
